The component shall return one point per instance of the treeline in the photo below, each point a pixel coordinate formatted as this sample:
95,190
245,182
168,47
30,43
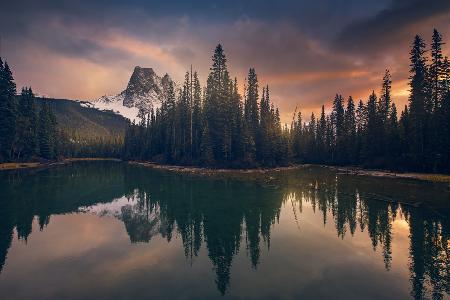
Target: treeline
370,134
78,145
215,127
27,131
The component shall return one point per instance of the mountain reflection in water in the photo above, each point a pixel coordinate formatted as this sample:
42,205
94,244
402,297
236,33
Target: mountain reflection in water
226,215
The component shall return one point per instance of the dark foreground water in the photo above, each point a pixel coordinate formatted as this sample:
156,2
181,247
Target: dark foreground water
104,230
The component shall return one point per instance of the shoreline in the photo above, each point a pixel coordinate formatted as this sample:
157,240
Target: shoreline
202,171
353,171
39,165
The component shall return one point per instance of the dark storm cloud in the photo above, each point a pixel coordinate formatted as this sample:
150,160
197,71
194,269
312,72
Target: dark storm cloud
391,26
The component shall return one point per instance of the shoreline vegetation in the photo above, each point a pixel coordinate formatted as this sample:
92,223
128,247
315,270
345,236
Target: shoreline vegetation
343,170
267,171
38,165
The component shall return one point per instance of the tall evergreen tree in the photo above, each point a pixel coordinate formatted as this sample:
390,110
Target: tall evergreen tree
251,112
436,69
217,103
350,132
196,117
46,131
338,122
321,136
8,112
26,131
417,100
392,136
385,98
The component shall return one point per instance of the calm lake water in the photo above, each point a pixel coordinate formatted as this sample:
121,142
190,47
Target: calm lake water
105,230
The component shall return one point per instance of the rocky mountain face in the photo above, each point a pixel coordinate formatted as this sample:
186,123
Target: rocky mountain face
145,91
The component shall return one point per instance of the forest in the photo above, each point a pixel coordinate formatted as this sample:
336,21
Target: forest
216,126
27,130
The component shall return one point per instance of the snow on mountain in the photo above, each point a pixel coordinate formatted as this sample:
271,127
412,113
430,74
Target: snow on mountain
140,222
145,91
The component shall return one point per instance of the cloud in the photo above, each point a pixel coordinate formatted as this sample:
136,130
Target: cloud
306,51
393,26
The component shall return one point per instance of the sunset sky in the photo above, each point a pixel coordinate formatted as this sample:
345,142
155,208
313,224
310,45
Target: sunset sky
307,51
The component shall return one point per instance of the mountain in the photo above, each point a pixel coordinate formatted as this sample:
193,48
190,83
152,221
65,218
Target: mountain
80,118
145,91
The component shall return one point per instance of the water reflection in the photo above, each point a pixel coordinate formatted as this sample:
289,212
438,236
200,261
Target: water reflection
221,214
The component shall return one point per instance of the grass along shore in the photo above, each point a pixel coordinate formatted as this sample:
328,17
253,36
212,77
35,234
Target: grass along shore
34,165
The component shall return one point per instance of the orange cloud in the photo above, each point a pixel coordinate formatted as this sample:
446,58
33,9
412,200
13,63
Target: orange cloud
309,77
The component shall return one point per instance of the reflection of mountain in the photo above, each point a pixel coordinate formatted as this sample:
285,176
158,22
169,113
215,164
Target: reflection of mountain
222,214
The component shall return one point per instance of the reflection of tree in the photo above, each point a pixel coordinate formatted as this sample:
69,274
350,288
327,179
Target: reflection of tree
6,229
25,195
429,257
221,214
216,212
353,201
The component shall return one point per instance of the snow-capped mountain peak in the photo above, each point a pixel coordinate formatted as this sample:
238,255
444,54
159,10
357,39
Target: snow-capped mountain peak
145,91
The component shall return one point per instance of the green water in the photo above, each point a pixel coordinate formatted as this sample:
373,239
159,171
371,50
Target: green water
105,230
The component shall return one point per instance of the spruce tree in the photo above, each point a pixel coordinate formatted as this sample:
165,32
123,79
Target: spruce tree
321,136
361,124
392,132
44,131
350,131
196,117
372,141
26,132
417,101
217,105
385,98
251,112
8,112
338,122
436,69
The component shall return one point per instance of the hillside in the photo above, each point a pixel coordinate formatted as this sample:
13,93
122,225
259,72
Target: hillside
86,122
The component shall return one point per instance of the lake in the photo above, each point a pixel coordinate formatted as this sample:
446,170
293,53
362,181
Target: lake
109,230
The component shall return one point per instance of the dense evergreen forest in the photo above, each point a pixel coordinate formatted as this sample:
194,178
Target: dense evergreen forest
29,131
215,127
26,131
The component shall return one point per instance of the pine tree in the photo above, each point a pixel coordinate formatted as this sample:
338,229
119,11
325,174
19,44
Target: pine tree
217,103
372,141
8,112
361,125
350,131
236,123
338,122
45,134
196,117
436,69
385,98
251,113
264,125
405,134
206,148
393,136
26,131
417,100
321,136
